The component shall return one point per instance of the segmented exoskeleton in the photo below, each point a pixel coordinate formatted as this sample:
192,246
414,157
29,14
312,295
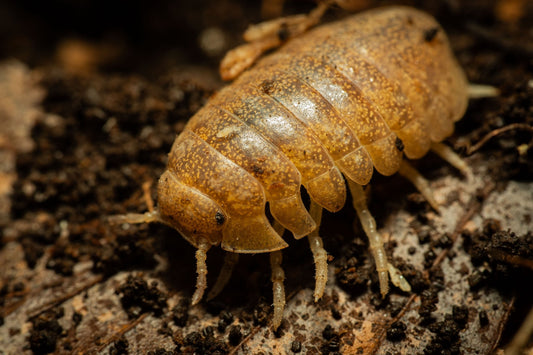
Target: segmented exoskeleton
330,105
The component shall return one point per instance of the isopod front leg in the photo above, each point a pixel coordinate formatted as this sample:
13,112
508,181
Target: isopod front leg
135,218
383,267
230,260
320,255
201,271
278,290
138,218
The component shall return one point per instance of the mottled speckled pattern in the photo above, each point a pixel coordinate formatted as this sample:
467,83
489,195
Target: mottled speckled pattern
347,97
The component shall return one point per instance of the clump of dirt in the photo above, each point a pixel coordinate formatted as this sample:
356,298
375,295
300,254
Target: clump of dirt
119,347
396,332
235,335
180,312
447,340
46,331
203,343
124,253
501,257
355,268
138,297
331,341
261,313
63,258
226,318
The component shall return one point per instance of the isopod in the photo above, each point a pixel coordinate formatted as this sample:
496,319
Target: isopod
322,112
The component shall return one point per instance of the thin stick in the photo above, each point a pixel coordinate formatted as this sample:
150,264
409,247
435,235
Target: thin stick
53,303
522,126
126,328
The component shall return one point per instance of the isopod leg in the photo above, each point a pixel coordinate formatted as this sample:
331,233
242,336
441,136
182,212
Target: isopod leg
230,260
277,278
278,290
267,35
147,196
375,239
476,91
452,158
291,26
398,280
420,182
137,218
319,254
201,270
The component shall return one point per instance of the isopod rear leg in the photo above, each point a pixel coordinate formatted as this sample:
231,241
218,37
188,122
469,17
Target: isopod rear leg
420,182
320,255
201,271
383,267
230,260
477,91
447,154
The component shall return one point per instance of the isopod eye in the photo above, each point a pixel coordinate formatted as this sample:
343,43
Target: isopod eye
219,217
195,215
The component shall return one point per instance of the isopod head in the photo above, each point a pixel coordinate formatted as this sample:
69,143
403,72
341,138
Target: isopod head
196,216
200,219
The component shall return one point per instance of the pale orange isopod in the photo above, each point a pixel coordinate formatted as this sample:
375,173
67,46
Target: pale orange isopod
327,108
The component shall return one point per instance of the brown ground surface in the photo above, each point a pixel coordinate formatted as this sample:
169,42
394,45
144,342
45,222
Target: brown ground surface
92,95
